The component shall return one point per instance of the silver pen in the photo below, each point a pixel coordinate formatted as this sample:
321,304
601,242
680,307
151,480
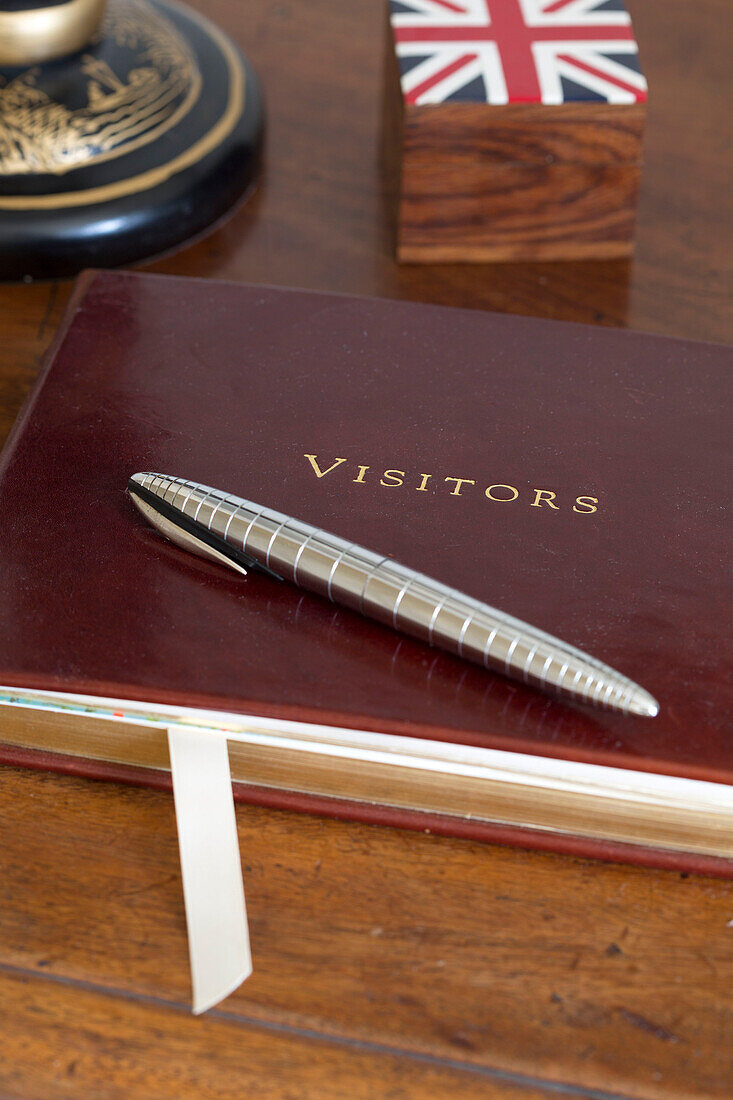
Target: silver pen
243,535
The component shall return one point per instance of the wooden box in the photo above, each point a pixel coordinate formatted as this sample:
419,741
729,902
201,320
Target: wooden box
518,126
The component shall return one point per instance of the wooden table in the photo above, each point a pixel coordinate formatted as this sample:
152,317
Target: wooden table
387,963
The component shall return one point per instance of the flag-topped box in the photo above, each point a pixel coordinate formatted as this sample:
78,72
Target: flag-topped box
519,128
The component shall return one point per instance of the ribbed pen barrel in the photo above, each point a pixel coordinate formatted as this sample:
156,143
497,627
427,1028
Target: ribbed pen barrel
391,593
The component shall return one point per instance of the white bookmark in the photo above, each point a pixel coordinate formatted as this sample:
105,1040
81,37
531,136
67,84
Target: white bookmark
213,892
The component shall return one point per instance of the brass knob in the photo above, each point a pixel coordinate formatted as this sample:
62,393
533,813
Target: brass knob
31,35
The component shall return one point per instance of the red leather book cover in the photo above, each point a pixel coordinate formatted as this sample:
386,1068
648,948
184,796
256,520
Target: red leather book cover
572,476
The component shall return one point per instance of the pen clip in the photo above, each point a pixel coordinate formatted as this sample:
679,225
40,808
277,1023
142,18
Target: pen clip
192,535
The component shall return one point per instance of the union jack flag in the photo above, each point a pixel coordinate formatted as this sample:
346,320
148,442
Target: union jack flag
516,51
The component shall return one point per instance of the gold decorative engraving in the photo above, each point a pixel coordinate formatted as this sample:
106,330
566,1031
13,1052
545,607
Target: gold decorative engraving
144,181
123,111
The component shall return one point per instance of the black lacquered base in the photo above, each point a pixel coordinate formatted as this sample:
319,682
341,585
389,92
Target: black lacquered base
127,149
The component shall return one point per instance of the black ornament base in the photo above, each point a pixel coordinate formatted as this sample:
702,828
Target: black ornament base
128,148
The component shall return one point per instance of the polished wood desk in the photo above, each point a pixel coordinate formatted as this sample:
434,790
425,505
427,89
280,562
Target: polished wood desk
387,964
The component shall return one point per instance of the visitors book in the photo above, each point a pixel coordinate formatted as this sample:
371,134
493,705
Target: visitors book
572,476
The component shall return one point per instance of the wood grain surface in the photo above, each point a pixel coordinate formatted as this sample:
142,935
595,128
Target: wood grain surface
524,181
387,964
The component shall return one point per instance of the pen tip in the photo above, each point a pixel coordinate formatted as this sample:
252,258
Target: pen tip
644,704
